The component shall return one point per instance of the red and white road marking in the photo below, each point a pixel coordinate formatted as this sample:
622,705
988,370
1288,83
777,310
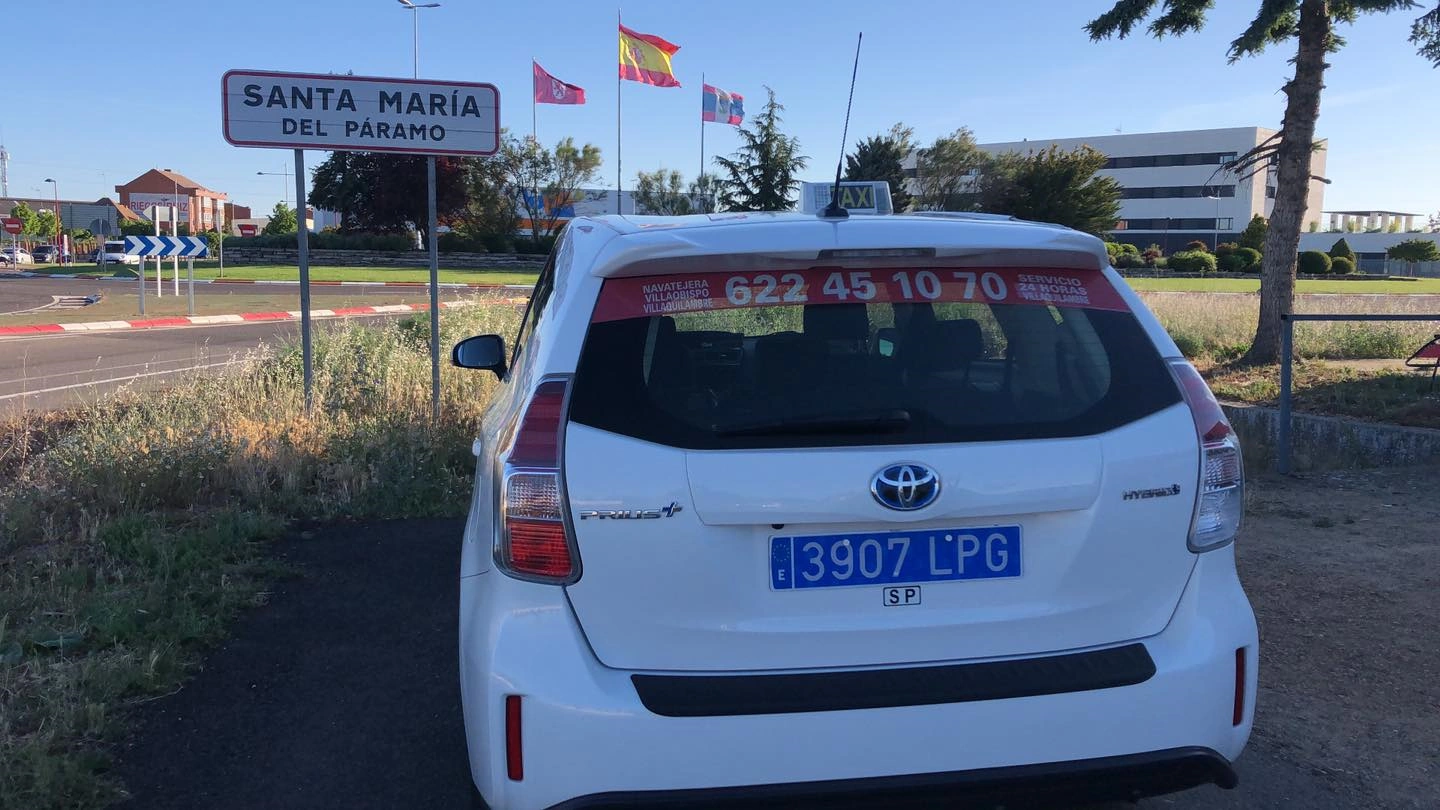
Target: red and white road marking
244,317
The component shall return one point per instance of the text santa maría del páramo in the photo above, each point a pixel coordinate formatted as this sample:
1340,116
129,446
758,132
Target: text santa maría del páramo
374,123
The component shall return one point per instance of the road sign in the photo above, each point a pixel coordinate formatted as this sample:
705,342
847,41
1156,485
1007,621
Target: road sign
13,224
246,230
330,112
166,246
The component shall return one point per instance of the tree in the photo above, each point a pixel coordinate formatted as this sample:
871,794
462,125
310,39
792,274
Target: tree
282,220
882,157
546,183
136,227
1253,236
1414,250
26,215
376,192
489,212
661,192
761,174
1052,185
705,192
1341,249
44,224
1311,23
946,172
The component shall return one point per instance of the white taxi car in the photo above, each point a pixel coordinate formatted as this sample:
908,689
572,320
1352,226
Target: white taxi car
774,508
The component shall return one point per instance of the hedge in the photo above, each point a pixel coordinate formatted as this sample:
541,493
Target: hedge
1192,261
1314,262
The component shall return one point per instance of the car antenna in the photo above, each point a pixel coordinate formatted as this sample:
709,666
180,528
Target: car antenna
834,210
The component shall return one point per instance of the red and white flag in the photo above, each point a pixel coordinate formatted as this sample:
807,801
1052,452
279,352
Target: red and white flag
550,90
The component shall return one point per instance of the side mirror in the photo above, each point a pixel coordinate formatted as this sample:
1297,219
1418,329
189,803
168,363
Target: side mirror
482,352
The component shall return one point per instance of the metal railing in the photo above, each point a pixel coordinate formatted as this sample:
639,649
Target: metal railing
1287,362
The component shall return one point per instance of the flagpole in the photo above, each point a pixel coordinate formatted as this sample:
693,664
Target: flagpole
534,130
702,127
620,22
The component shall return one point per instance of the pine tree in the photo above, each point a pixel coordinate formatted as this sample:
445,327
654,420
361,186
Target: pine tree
760,176
882,157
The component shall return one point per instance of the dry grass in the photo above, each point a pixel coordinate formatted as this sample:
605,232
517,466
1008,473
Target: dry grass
129,529
1219,326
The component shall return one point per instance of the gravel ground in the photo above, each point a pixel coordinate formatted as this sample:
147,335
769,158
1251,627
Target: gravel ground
342,693
1344,572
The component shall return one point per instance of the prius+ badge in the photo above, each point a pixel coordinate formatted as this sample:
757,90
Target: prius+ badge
632,514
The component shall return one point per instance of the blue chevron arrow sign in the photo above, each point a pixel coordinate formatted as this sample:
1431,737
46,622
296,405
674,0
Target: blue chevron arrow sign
189,247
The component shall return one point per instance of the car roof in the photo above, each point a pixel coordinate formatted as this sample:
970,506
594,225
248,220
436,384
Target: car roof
653,245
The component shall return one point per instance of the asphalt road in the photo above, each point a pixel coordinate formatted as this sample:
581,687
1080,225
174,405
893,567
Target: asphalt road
18,294
342,693
60,369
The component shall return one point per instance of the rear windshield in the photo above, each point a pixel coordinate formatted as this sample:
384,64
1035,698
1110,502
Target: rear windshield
114,247
844,358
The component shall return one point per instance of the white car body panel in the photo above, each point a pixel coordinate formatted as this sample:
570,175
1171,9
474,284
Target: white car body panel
690,593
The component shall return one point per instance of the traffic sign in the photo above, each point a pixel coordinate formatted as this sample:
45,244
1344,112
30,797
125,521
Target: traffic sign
338,113
165,246
13,225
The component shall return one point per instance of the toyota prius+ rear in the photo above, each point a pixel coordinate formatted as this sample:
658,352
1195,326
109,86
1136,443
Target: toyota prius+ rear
772,509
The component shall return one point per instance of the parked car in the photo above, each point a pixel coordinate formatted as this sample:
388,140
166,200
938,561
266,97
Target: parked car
777,507
114,253
46,254
14,256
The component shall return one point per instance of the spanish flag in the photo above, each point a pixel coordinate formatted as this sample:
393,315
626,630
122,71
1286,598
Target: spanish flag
645,58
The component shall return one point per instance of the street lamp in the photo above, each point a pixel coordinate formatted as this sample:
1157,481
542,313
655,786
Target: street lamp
414,9
284,194
58,250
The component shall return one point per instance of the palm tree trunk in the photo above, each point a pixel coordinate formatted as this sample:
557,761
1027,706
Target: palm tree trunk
1292,180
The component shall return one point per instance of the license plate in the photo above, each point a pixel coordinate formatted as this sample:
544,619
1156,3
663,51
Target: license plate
890,558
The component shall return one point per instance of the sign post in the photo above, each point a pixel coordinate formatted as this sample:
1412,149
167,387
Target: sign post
357,113
161,246
302,243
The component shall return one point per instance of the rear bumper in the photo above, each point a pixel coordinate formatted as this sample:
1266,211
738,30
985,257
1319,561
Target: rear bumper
590,741
1109,778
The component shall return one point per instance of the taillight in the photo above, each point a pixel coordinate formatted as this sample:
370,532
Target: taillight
534,543
1221,499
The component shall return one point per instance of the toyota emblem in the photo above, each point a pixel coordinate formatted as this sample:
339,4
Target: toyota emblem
905,487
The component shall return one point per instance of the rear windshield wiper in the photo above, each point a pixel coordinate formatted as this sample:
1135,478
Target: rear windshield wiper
886,421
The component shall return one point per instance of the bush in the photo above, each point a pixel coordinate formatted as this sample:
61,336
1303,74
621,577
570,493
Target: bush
1231,263
459,243
1118,252
1314,262
1197,244
1128,261
1153,256
1192,261
1341,250
1341,266
527,245
1251,257
1226,248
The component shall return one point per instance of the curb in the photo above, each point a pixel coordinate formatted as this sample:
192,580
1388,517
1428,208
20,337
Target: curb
199,320
472,285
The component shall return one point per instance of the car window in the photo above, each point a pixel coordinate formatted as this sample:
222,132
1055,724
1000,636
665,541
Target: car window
535,308
889,357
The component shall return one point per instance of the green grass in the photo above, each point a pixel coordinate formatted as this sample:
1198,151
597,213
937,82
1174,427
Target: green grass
134,529
1424,286
275,272
1396,395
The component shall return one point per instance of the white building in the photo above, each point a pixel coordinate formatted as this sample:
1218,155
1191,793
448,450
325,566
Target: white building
1361,221
1177,186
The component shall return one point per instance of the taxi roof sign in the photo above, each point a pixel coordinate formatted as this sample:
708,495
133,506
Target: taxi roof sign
856,197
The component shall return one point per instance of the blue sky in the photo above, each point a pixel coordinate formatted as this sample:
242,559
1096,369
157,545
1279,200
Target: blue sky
128,87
